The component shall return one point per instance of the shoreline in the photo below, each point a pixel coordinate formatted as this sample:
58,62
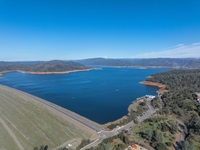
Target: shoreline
46,73
64,72
138,67
133,106
162,87
134,103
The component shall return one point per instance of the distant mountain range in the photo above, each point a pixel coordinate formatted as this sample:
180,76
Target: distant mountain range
48,66
147,62
63,66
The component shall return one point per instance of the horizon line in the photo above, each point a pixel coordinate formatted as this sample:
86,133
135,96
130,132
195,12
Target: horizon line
96,58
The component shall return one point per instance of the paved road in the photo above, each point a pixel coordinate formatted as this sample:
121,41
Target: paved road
103,134
106,134
92,125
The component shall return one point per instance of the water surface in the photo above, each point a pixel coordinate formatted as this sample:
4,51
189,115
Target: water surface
100,95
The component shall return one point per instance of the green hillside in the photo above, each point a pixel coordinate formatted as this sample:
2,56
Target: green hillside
48,66
145,62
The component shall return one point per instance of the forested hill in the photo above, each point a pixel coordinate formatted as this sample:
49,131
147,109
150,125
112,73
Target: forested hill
105,62
48,66
181,101
148,62
179,79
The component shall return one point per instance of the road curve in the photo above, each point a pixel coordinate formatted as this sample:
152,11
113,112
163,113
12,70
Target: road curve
106,134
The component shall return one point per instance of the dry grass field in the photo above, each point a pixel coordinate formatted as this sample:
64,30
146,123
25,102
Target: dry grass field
25,123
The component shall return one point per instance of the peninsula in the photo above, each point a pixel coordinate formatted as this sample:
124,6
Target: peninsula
162,87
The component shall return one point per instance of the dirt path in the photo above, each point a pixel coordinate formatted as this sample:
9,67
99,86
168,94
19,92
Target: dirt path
12,134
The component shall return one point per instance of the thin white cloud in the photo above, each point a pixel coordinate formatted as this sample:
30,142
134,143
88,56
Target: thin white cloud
179,51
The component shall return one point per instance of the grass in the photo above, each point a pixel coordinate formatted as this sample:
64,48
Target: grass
6,137
111,145
33,124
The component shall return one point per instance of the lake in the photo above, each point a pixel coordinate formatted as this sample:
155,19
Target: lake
101,95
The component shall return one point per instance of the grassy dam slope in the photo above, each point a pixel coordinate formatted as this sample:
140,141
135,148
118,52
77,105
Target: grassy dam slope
26,123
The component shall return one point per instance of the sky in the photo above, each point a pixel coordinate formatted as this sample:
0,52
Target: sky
78,29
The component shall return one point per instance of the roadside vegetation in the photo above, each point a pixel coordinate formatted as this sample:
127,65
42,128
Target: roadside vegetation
118,142
84,142
156,103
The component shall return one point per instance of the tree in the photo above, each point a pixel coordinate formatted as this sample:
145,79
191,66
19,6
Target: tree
149,134
134,117
187,146
169,144
158,137
161,146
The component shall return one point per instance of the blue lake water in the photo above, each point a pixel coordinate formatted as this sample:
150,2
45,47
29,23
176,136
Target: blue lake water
100,95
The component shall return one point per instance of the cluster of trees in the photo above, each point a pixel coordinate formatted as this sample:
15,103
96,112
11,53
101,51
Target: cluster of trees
181,100
162,124
187,145
156,103
132,116
183,104
109,144
179,79
158,130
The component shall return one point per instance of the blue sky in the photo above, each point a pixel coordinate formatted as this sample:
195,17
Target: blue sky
75,29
